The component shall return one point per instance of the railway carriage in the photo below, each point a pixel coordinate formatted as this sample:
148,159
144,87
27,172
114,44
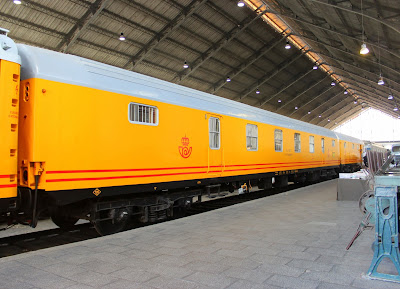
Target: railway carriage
98,142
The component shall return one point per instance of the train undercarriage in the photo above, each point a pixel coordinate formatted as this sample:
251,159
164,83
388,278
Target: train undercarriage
111,209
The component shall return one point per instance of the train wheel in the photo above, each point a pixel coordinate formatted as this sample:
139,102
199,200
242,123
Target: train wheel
63,221
116,222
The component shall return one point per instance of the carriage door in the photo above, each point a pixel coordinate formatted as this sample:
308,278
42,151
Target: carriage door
214,148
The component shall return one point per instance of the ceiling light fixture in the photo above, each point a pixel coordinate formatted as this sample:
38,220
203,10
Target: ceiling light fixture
390,97
228,79
315,67
240,4
287,46
395,108
364,50
329,119
355,102
279,100
185,65
17,2
122,37
296,107
309,112
380,81
345,92
257,91
333,83
320,116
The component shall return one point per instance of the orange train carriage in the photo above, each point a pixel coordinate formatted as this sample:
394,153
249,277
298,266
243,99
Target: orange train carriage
82,139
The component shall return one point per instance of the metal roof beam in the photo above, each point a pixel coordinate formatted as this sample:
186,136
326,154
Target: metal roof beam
358,12
357,55
336,32
343,117
91,14
287,85
303,92
312,99
249,61
324,103
164,33
217,47
331,116
267,77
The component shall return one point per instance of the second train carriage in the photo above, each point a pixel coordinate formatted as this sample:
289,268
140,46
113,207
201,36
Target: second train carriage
99,142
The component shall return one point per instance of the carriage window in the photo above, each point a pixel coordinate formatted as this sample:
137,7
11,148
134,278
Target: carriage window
333,143
345,144
311,143
214,129
278,140
252,137
323,145
353,146
143,114
297,142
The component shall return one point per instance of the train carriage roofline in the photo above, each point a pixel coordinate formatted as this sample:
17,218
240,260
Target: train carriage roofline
65,68
345,137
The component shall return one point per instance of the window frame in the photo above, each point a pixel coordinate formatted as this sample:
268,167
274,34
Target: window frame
132,114
297,142
333,143
311,144
323,144
217,132
280,140
250,148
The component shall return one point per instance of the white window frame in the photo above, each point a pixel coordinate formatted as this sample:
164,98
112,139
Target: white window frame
323,145
251,134
146,117
278,133
311,142
297,142
213,133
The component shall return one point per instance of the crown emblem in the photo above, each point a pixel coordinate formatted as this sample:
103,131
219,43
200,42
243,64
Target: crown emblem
185,141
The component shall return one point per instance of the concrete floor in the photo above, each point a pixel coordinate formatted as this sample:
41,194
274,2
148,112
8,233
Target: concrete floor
292,240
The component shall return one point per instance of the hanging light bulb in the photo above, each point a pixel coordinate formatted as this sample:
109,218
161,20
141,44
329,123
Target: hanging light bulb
315,67
17,2
319,116
333,83
240,4
122,37
390,97
355,102
185,65
329,119
287,46
395,108
228,79
296,107
309,112
380,81
345,92
279,100
364,49
257,91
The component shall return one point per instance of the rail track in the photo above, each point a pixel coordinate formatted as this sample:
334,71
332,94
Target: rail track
19,244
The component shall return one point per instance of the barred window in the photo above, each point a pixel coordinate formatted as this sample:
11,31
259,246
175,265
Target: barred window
323,145
143,114
311,143
297,142
333,143
214,129
252,137
278,140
